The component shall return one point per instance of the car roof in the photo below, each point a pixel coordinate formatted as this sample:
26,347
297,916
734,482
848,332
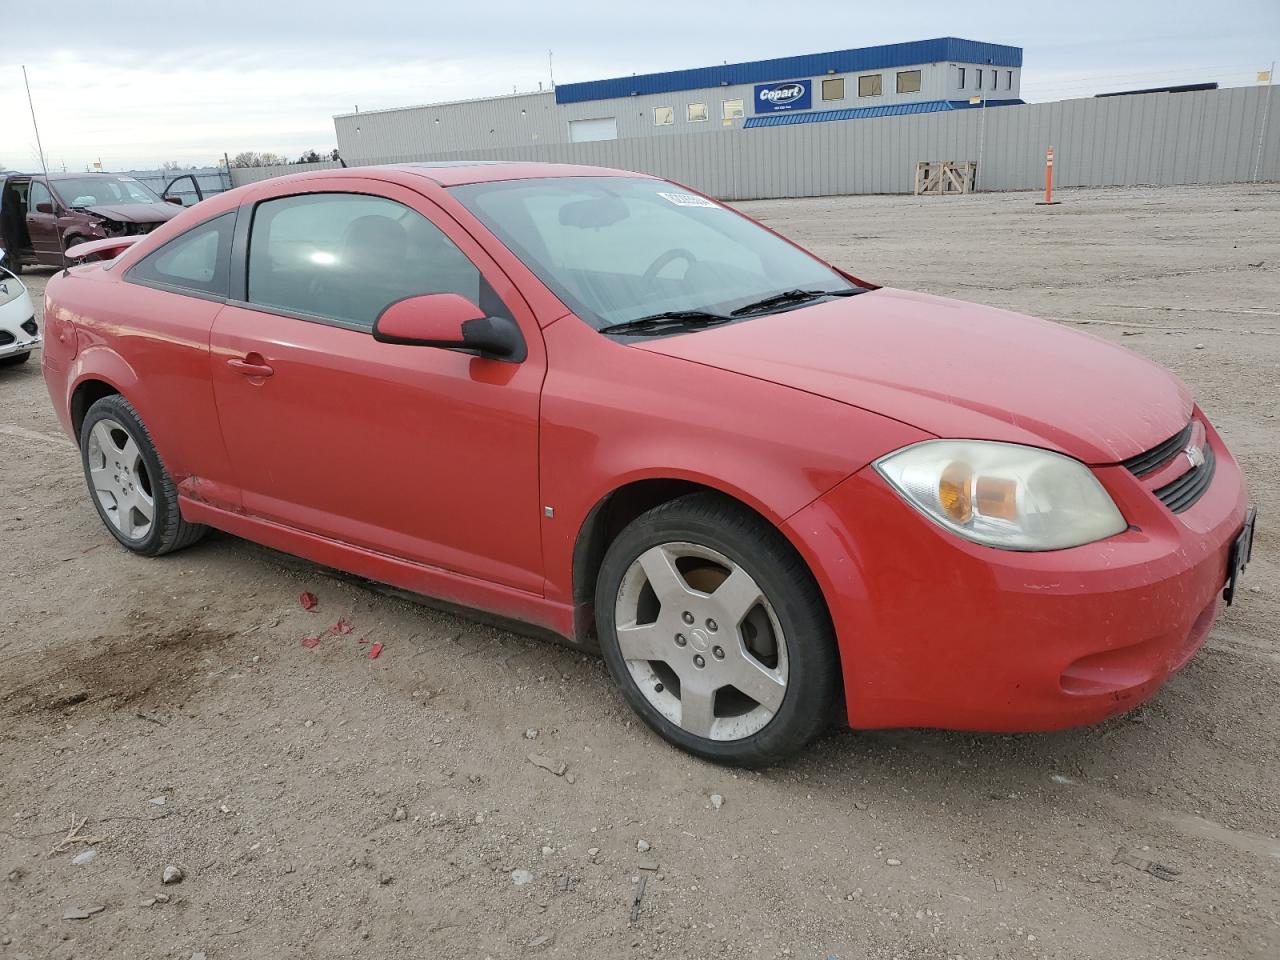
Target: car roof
8,174
452,173
87,173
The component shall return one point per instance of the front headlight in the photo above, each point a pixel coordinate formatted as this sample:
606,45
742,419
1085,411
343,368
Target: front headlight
1004,494
10,288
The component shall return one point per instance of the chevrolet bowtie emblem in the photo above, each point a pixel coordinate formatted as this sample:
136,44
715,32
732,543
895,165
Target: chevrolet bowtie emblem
1195,456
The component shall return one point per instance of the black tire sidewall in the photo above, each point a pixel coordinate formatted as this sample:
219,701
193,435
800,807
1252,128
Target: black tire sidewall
116,408
812,663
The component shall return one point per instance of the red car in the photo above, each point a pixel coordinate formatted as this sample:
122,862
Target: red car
604,404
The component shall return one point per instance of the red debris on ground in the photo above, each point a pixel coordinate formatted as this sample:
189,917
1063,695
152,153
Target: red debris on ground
310,642
363,641
341,628
308,600
374,651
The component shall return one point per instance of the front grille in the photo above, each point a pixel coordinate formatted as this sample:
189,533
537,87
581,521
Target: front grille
1190,487
1152,460
29,325
6,338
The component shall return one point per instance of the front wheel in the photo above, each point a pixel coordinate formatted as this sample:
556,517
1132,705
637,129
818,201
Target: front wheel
70,242
713,627
133,493
14,359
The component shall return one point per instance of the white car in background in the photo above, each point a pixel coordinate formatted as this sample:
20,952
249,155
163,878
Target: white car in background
19,334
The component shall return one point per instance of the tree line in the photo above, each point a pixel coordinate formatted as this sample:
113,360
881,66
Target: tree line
251,158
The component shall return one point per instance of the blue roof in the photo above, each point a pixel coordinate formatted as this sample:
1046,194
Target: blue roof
883,57
867,113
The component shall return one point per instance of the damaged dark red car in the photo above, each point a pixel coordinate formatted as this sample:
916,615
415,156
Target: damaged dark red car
40,217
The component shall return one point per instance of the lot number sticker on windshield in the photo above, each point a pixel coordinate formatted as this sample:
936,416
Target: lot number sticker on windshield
686,200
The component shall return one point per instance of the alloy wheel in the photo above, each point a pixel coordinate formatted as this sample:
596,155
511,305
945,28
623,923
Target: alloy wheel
120,479
701,641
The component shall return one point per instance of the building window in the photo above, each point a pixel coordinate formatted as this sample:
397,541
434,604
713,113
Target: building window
869,86
833,89
979,73
909,81
1008,79
995,79
731,109
662,116
696,112
962,78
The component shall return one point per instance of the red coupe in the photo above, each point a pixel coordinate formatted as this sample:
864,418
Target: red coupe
604,404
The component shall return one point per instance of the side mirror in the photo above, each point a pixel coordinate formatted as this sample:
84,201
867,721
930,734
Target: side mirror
44,207
176,200
451,322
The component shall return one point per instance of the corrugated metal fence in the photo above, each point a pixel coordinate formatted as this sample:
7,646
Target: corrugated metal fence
1201,137
242,175
211,179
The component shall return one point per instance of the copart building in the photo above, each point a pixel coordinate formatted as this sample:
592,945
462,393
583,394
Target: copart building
923,76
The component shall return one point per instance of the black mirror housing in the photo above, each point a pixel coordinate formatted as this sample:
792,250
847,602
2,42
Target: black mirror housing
495,337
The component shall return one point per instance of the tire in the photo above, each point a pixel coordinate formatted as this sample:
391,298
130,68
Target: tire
16,359
123,471
768,631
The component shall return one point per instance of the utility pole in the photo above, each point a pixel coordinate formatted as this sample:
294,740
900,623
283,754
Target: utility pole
551,70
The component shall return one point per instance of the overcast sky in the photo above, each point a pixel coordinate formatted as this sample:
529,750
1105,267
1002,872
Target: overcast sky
139,83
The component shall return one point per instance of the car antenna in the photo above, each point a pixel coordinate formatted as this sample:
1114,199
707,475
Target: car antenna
57,231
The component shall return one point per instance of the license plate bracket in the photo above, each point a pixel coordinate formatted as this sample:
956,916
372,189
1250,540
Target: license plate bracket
1238,558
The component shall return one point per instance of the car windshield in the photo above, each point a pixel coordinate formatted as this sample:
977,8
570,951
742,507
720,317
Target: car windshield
616,249
94,191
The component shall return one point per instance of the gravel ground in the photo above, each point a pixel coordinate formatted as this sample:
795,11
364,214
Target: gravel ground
322,804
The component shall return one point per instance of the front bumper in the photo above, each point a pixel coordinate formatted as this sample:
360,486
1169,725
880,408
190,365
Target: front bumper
18,331
20,346
939,632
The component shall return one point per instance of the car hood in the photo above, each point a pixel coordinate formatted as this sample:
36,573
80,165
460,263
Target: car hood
137,212
956,369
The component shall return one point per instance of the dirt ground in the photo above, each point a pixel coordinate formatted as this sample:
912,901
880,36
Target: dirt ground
322,804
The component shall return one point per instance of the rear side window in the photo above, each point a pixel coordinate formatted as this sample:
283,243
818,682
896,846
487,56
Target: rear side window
345,257
195,261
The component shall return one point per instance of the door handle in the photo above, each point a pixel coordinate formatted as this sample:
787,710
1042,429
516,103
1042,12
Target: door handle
251,366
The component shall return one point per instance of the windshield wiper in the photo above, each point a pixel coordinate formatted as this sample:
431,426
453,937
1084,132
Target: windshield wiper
793,296
668,320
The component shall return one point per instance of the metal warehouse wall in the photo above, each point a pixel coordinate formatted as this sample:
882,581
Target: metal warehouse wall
1202,137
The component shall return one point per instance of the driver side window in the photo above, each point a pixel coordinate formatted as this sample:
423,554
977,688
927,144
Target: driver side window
39,194
345,257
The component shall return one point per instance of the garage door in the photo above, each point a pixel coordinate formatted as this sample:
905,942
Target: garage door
586,131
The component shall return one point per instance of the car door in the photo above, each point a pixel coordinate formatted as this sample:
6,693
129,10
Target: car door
184,189
42,223
424,454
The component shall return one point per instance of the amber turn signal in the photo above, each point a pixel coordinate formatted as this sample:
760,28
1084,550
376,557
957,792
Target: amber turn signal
954,492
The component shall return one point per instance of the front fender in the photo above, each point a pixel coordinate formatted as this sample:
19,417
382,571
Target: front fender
613,415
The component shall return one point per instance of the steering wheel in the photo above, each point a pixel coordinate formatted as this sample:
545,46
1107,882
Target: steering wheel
679,253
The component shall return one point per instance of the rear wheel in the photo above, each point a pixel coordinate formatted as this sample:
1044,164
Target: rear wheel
131,490
716,632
